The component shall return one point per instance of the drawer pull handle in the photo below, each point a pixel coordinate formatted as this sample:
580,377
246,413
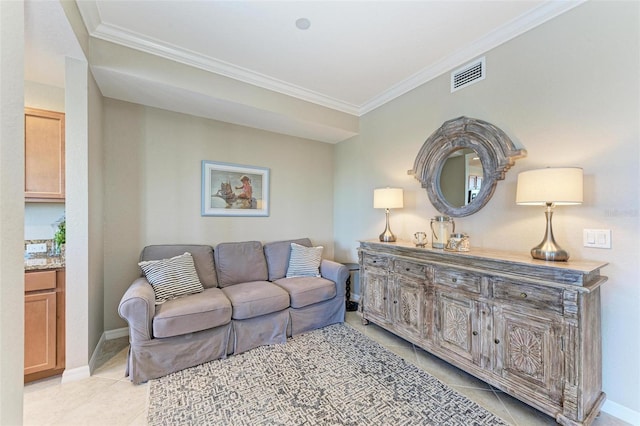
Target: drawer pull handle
454,280
408,269
523,295
475,333
375,261
497,341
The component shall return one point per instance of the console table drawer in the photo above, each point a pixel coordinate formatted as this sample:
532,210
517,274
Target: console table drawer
410,268
526,294
458,279
376,261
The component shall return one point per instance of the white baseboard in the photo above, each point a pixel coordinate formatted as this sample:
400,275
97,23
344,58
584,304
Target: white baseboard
75,374
71,375
623,413
117,333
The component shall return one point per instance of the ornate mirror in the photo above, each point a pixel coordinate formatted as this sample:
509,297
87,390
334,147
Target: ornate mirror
461,162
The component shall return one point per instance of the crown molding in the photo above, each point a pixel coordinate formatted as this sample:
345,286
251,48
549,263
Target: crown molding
509,31
112,33
91,15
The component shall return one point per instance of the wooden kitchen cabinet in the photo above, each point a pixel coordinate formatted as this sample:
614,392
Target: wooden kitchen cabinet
44,324
44,144
40,332
530,328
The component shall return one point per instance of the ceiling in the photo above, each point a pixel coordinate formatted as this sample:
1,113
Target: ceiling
247,62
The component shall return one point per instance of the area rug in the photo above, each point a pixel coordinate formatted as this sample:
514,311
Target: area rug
332,376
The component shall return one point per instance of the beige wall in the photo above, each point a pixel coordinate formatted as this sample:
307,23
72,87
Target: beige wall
11,212
95,177
77,259
568,93
43,96
153,182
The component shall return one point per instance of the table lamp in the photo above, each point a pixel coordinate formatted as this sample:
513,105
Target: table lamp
387,198
550,187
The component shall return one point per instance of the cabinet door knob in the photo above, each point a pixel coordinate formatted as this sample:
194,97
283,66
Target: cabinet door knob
395,301
523,295
408,269
454,280
497,341
475,333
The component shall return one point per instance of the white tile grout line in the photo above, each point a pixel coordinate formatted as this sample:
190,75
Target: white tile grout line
491,388
514,422
418,363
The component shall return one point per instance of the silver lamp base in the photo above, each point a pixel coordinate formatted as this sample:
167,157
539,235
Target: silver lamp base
387,236
552,253
548,249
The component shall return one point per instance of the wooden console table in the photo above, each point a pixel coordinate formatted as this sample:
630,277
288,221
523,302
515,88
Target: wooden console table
530,328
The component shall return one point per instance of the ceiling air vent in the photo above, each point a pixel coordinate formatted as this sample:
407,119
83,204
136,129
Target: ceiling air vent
468,74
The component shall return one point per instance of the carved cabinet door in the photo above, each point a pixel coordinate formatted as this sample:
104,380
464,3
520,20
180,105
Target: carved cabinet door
408,298
375,294
458,325
528,350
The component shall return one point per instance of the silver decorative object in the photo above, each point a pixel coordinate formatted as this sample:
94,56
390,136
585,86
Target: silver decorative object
458,242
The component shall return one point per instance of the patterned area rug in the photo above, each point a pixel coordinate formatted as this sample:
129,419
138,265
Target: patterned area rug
331,376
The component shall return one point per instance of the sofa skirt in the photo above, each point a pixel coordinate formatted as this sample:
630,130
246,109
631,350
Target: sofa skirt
316,316
155,358
263,330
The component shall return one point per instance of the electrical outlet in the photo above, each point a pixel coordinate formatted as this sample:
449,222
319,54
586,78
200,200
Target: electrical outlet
37,248
597,238
35,262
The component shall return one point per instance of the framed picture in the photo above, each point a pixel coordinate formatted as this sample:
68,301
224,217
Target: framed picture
472,181
234,190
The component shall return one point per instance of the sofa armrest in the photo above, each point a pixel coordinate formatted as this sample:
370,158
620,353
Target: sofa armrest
138,307
336,272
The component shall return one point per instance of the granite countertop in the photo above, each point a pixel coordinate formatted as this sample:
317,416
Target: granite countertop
43,260
49,262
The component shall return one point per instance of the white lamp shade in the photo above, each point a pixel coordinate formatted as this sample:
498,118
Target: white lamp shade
557,185
387,198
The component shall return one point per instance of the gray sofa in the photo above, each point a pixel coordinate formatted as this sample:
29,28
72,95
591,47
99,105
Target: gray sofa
247,302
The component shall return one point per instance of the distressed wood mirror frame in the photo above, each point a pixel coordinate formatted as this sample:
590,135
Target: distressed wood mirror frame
496,151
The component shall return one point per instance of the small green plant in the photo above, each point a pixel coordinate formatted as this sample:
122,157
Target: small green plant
60,236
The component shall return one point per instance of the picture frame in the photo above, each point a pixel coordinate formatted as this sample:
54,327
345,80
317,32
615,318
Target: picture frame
472,181
234,189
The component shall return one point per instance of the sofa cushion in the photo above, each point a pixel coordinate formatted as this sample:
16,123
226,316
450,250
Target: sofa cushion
192,313
252,299
202,259
172,277
240,263
277,254
305,291
304,261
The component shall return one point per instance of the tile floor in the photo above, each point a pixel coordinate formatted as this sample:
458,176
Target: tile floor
108,398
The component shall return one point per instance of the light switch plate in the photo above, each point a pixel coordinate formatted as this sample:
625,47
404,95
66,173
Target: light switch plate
37,248
597,238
